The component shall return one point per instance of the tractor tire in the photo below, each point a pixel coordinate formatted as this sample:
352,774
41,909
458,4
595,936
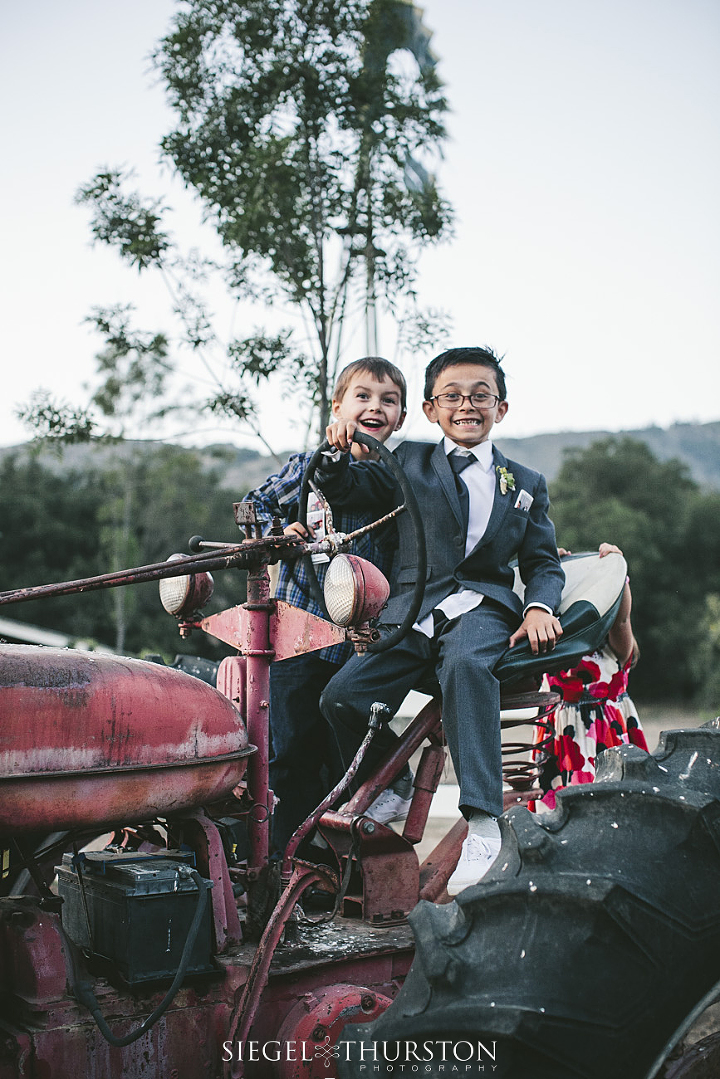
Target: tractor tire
591,939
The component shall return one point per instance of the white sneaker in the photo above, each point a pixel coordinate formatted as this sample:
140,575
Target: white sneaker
476,857
388,806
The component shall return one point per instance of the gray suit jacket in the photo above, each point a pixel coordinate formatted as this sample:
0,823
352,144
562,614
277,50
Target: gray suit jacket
512,533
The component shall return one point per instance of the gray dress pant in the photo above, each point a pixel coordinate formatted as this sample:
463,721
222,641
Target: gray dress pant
461,657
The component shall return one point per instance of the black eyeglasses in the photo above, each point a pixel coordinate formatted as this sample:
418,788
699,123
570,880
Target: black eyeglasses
477,400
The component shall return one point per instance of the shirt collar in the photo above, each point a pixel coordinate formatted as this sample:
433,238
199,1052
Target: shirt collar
482,453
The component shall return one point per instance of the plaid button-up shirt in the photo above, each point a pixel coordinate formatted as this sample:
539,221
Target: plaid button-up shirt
279,496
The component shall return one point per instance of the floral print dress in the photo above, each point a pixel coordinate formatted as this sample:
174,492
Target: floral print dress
595,713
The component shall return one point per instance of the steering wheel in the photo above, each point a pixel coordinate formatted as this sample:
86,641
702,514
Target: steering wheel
410,504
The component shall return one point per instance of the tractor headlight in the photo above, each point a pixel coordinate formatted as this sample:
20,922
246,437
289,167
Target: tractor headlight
184,595
355,590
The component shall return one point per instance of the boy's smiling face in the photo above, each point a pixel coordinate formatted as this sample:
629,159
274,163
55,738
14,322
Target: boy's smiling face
375,406
465,423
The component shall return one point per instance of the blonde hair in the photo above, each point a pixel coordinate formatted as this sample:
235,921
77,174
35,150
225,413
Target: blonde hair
379,369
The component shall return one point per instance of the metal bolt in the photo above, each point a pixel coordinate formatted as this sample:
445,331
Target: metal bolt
368,827
318,1033
367,1002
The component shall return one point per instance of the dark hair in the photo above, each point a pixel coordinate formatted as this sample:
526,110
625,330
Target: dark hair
379,369
484,357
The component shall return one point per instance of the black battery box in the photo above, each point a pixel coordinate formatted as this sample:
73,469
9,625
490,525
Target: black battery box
135,910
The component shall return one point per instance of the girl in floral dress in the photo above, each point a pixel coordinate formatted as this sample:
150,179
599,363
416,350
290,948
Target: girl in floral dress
596,711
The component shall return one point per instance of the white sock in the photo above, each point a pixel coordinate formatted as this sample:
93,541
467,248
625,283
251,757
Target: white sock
482,823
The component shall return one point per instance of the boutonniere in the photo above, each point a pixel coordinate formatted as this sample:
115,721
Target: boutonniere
507,480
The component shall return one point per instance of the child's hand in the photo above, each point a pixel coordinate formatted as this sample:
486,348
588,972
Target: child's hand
608,548
340,435
563,552
541,628
297,530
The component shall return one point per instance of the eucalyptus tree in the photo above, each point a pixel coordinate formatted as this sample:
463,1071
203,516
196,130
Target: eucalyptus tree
308,130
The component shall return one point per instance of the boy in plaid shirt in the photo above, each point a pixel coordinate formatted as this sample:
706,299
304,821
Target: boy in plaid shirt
370,392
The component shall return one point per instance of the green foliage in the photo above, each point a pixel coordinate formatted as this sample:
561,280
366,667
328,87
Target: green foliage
170,498
707,658
49,533
133,365
63,525
617,490
292,125
259,356
125,221
56,421
133,372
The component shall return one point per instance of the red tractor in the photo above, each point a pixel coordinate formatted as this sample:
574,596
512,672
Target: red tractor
173,946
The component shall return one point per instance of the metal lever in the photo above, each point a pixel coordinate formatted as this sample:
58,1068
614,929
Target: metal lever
379,713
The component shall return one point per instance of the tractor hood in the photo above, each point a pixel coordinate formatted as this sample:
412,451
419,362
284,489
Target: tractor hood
130,739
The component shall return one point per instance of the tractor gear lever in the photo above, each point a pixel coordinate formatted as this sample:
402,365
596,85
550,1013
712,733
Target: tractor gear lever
379,714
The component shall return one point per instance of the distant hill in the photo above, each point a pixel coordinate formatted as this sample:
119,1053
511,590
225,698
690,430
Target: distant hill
240,470
696,444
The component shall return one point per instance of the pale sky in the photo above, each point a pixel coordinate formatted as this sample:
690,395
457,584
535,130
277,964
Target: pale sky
583,166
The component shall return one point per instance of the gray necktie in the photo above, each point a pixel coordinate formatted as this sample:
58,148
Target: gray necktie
458,463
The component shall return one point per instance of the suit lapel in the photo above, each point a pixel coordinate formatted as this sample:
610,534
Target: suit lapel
446,477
